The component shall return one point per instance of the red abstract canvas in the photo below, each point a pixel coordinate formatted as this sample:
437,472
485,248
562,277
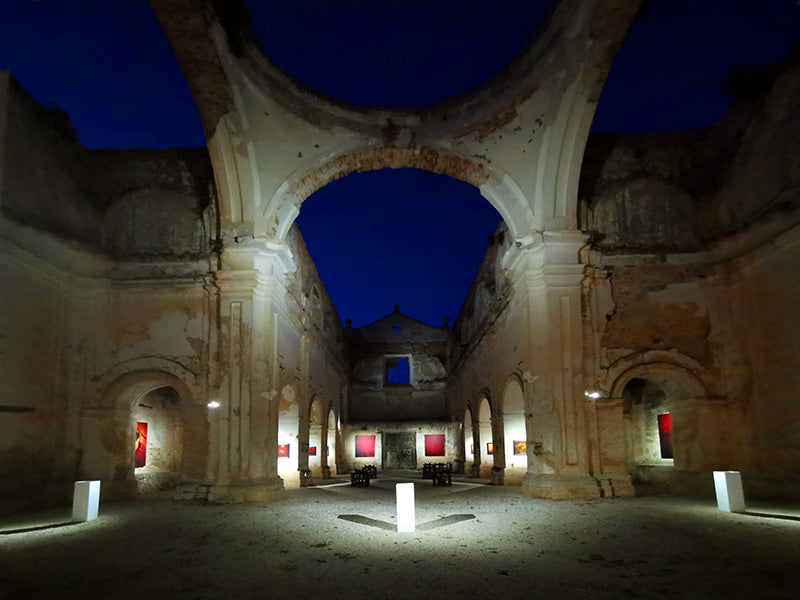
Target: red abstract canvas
283,450
312,450
665,435
434,444
365,446
140,448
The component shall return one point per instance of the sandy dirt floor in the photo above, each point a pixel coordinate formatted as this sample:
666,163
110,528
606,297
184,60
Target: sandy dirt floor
472,541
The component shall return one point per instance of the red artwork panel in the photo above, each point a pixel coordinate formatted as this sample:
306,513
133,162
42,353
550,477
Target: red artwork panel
283,450
434,444
312,450
140,448
365,446
665,435
489,448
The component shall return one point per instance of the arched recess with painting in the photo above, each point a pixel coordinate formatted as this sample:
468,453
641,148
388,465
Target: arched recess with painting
288,437
147,435
469,439
485,435
662,407
515,434
331,450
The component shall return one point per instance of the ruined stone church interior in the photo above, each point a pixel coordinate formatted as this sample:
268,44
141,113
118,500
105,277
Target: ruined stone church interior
631,328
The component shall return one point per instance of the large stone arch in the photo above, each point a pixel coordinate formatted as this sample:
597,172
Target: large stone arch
497,187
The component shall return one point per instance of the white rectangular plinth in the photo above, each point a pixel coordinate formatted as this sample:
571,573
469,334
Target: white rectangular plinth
730,496
406,517
85,500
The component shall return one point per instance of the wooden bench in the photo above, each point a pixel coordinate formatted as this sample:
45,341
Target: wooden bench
359,478
439,473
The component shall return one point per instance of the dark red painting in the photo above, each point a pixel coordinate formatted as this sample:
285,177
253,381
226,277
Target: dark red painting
312,450
140,448
434,444
665,435
283,450
365,446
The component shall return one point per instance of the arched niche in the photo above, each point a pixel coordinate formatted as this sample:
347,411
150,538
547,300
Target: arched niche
146,435
316,422
660,428
469,442
515,433
288,436
485,435
331,451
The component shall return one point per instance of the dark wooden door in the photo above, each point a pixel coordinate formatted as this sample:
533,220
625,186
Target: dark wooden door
400,450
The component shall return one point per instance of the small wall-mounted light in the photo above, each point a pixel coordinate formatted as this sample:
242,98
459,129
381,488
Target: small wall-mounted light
594,395
213,404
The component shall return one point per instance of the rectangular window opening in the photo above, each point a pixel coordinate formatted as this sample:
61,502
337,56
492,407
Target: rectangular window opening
397,371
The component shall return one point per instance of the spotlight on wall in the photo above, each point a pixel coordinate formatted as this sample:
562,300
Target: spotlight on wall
213,404
594,395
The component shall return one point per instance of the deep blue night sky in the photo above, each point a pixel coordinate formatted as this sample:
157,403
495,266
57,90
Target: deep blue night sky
386,237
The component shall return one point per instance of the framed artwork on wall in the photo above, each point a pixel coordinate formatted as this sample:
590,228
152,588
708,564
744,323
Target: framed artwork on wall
140,448
283,450
472,448
312,450
365,446
434,444
520,447
489,448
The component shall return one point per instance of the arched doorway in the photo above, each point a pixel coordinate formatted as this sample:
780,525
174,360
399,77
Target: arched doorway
158,449
316,416
515,435
648,434
485,436
145,437
288,436
469,442
331,449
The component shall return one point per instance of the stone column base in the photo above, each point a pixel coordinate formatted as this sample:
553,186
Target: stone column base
475,471
251,490
305,477
326,472
565,487
498,476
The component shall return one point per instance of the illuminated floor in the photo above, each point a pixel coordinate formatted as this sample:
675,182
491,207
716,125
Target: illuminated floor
473,541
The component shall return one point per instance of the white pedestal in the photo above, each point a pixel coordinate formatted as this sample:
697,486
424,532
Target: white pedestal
730,496
85,500
406,517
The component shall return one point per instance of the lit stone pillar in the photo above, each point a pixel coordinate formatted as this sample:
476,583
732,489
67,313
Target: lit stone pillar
499,456
475,470
459,458
548,280
242,464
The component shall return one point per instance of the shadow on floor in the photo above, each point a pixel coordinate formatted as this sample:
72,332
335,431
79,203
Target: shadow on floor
441,522
752,513
37,527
